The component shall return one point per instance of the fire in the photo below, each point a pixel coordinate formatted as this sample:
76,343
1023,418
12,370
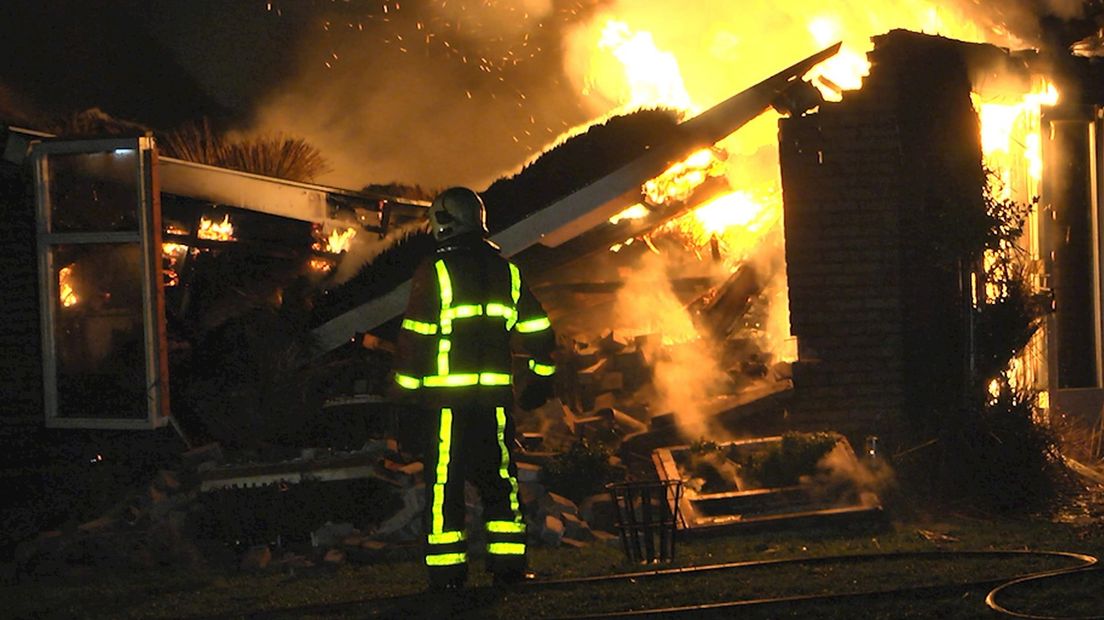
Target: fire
216,231
1011,130
634,212
845,70
66,293
651,76
678,182
321,264
339,241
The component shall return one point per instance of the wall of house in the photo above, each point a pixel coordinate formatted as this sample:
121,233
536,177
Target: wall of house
20,349
869,185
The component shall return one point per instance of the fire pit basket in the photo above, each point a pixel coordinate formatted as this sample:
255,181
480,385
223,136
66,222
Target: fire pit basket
647,517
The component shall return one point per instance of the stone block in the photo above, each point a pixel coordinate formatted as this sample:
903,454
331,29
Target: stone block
557,505
576,528
599,512
552,531
528,472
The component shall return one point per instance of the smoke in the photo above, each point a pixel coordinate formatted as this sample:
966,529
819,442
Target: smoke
436,94
363,249
684,366
839,471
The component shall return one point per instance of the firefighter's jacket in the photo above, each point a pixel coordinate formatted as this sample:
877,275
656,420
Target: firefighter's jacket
469,310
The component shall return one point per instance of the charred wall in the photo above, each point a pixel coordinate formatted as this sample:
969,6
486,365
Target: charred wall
873,186
21,377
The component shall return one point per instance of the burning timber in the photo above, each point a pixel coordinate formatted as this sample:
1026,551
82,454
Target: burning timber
593,205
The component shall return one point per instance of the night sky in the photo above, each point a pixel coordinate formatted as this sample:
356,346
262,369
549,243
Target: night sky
426,92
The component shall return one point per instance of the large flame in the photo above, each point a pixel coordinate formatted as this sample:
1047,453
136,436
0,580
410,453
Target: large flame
633,55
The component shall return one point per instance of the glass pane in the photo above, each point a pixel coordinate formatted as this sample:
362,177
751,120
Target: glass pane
94,192
98,331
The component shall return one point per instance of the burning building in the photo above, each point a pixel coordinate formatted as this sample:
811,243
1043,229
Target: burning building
747,273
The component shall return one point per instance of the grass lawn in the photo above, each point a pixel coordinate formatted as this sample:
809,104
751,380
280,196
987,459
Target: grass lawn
393,589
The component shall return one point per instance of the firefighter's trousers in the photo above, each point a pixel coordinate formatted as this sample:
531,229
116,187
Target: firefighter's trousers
472,442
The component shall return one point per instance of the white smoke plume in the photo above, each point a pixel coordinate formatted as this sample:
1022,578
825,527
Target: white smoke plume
685,369
436,94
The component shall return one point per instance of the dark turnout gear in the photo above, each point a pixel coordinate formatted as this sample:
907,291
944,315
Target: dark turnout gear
469,311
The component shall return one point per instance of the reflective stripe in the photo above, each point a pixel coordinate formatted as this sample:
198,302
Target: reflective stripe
504,466
495,378
456,380
515,284
443,348
426,329
444,445
515,294
505,312
505,527
544,370
446,538
469,378
504,548
444,283
446,559
533,325
461,312
407,381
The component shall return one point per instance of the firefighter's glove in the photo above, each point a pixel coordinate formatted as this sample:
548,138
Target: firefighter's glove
536,392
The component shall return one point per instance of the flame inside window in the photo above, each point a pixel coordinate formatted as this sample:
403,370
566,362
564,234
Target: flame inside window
216,231
66,293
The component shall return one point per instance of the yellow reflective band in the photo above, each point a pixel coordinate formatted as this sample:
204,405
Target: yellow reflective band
515,284
418,327
495,378
443,448
533,325
505,527
457,380
468,378
461,312
407,381
446,538
445,284
506,548
446,559
505,312
443,348
544,370
504,466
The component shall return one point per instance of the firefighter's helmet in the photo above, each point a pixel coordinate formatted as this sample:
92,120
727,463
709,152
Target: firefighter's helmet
456,211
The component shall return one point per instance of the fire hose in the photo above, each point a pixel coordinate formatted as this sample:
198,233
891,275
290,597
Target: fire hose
1084,563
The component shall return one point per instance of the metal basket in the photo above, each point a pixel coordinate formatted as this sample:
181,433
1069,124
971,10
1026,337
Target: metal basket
647,518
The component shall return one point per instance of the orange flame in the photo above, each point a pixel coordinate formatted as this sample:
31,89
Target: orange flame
679,181
339,241
66,293
321,264
216,231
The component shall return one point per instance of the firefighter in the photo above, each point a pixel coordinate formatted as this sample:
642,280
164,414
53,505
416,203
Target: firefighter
469,312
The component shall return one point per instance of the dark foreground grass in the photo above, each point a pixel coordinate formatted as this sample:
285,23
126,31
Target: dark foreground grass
394,589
